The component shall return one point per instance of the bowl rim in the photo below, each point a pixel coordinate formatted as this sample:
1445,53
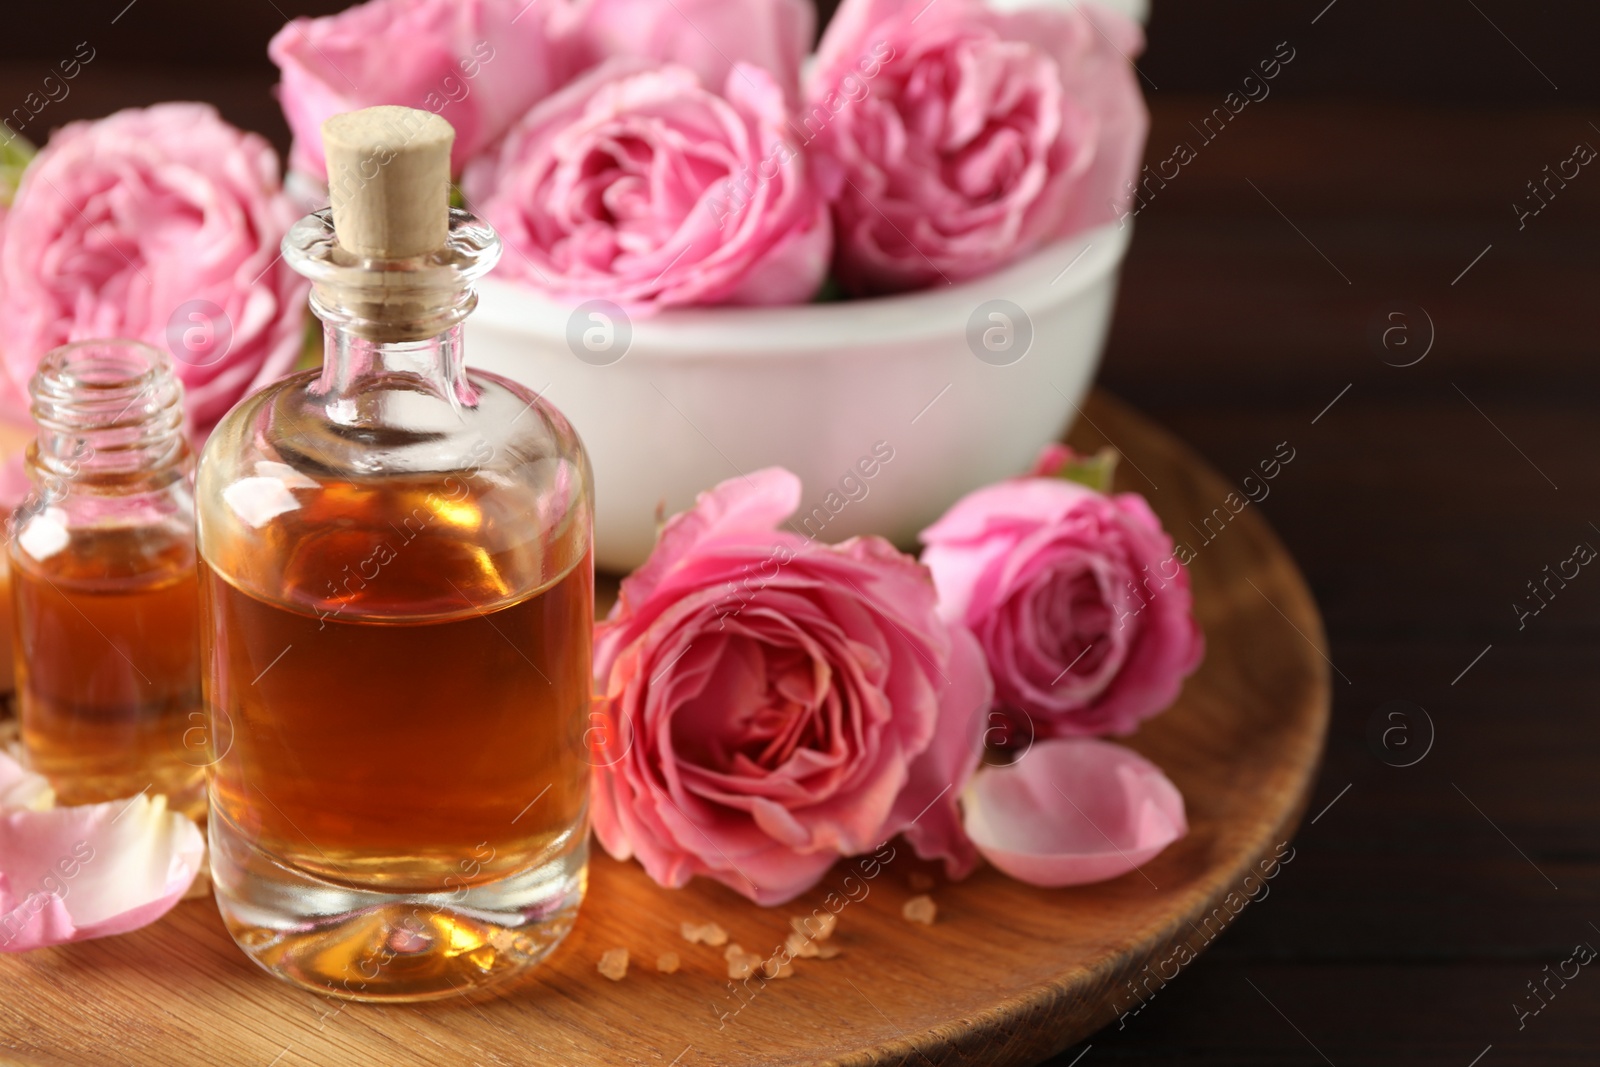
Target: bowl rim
1046,279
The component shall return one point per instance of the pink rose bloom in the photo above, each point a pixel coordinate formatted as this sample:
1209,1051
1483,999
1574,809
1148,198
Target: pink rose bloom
956,138
708,36
778,703
639,184
161,224
1082,608
478,63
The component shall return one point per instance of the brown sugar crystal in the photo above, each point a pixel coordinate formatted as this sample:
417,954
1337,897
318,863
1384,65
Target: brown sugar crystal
816,927
741,964
614,963
800,946
920,909
703,934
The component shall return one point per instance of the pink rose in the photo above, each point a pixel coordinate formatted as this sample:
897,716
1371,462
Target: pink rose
161,224
478,63
956,139
779,703
708,36
1082,608
639,184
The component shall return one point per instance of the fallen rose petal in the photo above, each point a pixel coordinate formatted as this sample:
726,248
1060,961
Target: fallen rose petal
1073,811
71,874
22,789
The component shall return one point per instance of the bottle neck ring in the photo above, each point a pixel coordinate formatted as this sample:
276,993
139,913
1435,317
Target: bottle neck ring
392,300
391,317
108,410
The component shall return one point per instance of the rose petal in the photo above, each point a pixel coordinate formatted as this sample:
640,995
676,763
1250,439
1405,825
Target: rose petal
752,505
1051,459
705,35
22,789
1013,504
479,63
926,810
71,874
1071,812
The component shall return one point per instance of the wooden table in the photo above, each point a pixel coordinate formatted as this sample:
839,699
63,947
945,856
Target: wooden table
1008,973
1421,503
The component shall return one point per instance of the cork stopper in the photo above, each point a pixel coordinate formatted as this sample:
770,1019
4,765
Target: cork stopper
389,181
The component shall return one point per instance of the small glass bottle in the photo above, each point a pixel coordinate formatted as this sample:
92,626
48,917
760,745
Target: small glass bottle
102,558
397,588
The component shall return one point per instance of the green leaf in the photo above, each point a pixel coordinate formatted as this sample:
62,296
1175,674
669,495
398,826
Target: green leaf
15,155
830,292
311,347
1097,471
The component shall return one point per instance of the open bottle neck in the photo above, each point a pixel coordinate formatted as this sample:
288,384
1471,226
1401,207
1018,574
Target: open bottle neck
109,416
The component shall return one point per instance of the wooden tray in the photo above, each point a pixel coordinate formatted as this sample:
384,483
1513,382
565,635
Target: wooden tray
1008,975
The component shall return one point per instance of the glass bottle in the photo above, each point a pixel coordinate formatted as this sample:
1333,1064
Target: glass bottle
397,598
102,557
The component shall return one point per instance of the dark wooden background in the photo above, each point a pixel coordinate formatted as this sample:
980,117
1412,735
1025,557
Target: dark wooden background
1386,160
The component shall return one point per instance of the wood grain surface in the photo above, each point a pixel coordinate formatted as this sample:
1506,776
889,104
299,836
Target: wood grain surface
1008,974
1388,157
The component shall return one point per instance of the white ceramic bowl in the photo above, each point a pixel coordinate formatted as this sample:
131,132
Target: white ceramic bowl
881,406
